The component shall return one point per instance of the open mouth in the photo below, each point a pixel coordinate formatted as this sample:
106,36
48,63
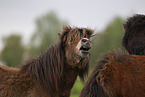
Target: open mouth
84,49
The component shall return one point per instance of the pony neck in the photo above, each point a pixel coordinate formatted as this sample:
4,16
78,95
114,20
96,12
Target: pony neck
68,79
51,73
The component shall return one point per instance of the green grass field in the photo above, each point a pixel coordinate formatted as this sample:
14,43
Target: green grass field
77,88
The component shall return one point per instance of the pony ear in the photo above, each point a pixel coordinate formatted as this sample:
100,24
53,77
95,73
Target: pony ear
66,28
63,36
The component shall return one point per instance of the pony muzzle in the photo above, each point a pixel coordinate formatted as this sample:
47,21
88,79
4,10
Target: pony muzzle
84,47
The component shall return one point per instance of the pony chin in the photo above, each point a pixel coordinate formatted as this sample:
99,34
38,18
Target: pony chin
83,63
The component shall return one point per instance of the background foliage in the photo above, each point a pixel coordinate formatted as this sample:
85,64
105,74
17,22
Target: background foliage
46,33
12,53
47,28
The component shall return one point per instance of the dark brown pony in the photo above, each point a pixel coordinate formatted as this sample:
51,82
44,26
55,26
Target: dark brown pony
118,74
134,37
54,72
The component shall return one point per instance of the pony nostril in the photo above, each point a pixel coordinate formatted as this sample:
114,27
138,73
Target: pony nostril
84,40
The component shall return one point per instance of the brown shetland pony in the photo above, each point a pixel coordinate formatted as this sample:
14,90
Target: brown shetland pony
118,74
134,37
54,72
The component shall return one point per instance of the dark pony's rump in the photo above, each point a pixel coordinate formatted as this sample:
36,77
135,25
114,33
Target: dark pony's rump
118,74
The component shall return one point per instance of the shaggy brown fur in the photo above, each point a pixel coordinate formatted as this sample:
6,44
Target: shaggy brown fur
118,74
134,37
52,74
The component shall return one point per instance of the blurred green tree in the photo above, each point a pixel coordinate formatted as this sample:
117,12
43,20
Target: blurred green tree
12,53
47,28
109,39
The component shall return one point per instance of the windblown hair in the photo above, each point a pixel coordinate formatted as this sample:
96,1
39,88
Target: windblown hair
134,37
118,74
48,75
47,69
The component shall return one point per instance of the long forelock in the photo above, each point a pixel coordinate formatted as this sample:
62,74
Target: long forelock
71,34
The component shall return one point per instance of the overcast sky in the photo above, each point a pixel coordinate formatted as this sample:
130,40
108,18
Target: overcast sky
18,16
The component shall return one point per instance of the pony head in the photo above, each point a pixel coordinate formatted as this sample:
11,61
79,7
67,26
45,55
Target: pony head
77,45
134,37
